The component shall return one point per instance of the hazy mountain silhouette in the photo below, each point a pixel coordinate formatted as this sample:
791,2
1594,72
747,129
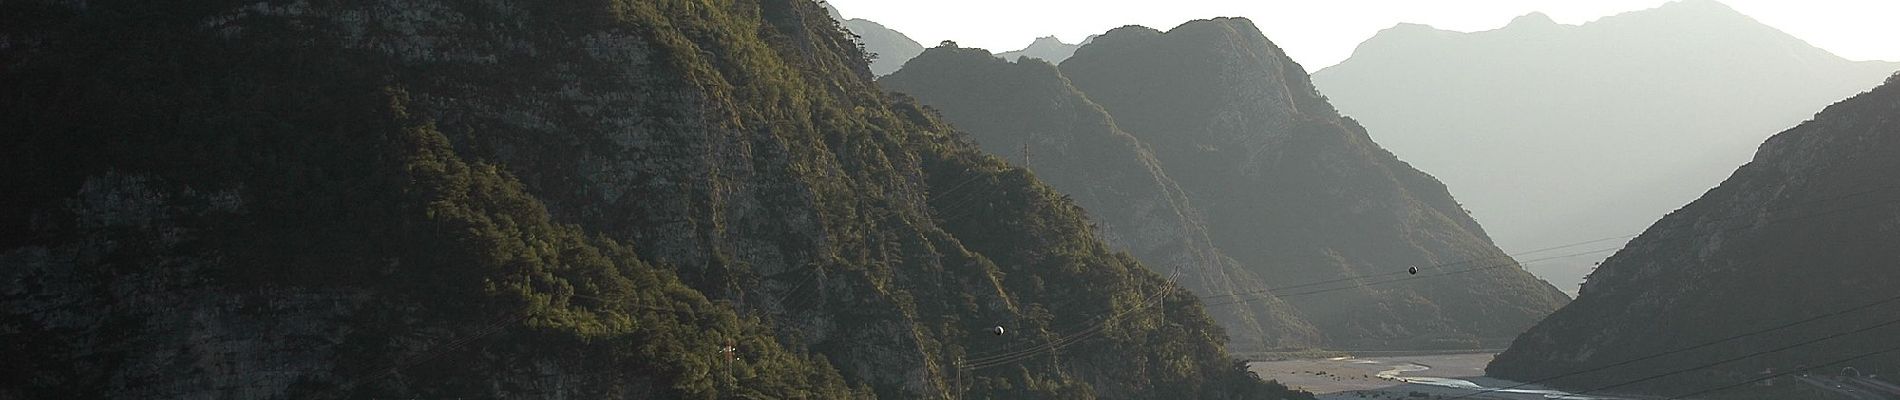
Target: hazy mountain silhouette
889,48
1047,48
1029,113
1298,194
1807,228
1554,134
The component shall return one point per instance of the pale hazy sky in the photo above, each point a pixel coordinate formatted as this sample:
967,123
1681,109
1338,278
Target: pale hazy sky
1320,33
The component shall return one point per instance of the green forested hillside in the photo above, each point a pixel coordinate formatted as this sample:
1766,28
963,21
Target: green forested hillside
1028,112
498,199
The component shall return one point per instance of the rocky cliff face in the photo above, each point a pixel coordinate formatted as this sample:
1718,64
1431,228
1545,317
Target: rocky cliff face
1541,127
1805,229
498,199
1296,193
1028,112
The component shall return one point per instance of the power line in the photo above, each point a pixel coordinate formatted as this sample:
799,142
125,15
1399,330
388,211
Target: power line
986,361
1007,357
1745,356
1076,337
496,326
1680,350
1404,279
1790,372
1268,291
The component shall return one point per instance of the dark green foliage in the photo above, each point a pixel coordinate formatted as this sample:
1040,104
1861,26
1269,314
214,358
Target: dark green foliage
343,189
527,200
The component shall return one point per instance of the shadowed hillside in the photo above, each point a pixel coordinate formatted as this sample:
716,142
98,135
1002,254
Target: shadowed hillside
1752,272
596,199
1297,194
1028,112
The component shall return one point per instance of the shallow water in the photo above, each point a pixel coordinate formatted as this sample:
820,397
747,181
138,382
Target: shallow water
1455,383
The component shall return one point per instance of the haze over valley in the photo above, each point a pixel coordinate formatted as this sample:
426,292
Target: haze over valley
799,199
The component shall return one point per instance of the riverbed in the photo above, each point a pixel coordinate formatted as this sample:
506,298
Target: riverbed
1432,376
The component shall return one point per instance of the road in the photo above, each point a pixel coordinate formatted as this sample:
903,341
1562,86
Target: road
1878,386
1853,387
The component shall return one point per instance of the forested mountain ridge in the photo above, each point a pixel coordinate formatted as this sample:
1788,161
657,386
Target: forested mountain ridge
1029,113
1795,246
511,199
1299,194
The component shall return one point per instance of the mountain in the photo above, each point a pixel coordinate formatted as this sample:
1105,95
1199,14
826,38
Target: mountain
598,199
1047,48
1301,196
1557,134
889,48
1028,112
1800,234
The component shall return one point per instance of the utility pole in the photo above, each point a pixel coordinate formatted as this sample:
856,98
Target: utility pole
956,388
1025,154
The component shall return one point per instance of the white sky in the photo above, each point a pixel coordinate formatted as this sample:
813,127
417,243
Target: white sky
1320,33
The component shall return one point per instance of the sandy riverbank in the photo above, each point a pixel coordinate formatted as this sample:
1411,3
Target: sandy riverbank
1452,375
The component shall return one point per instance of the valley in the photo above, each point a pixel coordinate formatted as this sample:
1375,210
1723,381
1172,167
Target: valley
1441,376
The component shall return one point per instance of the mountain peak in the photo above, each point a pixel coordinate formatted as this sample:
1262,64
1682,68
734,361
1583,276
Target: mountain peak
1696,9
1046,48
1699,5
832,11
892,48
1535,18
1402,78
1235,121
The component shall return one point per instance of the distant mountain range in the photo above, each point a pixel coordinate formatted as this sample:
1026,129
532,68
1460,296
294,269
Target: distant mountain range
1282,185
1047,48
1556,134
889,48
1799,245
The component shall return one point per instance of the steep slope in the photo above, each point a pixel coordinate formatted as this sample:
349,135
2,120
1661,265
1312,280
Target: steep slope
1046,48
1556,134
1298,194
889,49
1808,228
1028,109
524,200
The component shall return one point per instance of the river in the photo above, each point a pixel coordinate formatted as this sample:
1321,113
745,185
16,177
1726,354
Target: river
1442,376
